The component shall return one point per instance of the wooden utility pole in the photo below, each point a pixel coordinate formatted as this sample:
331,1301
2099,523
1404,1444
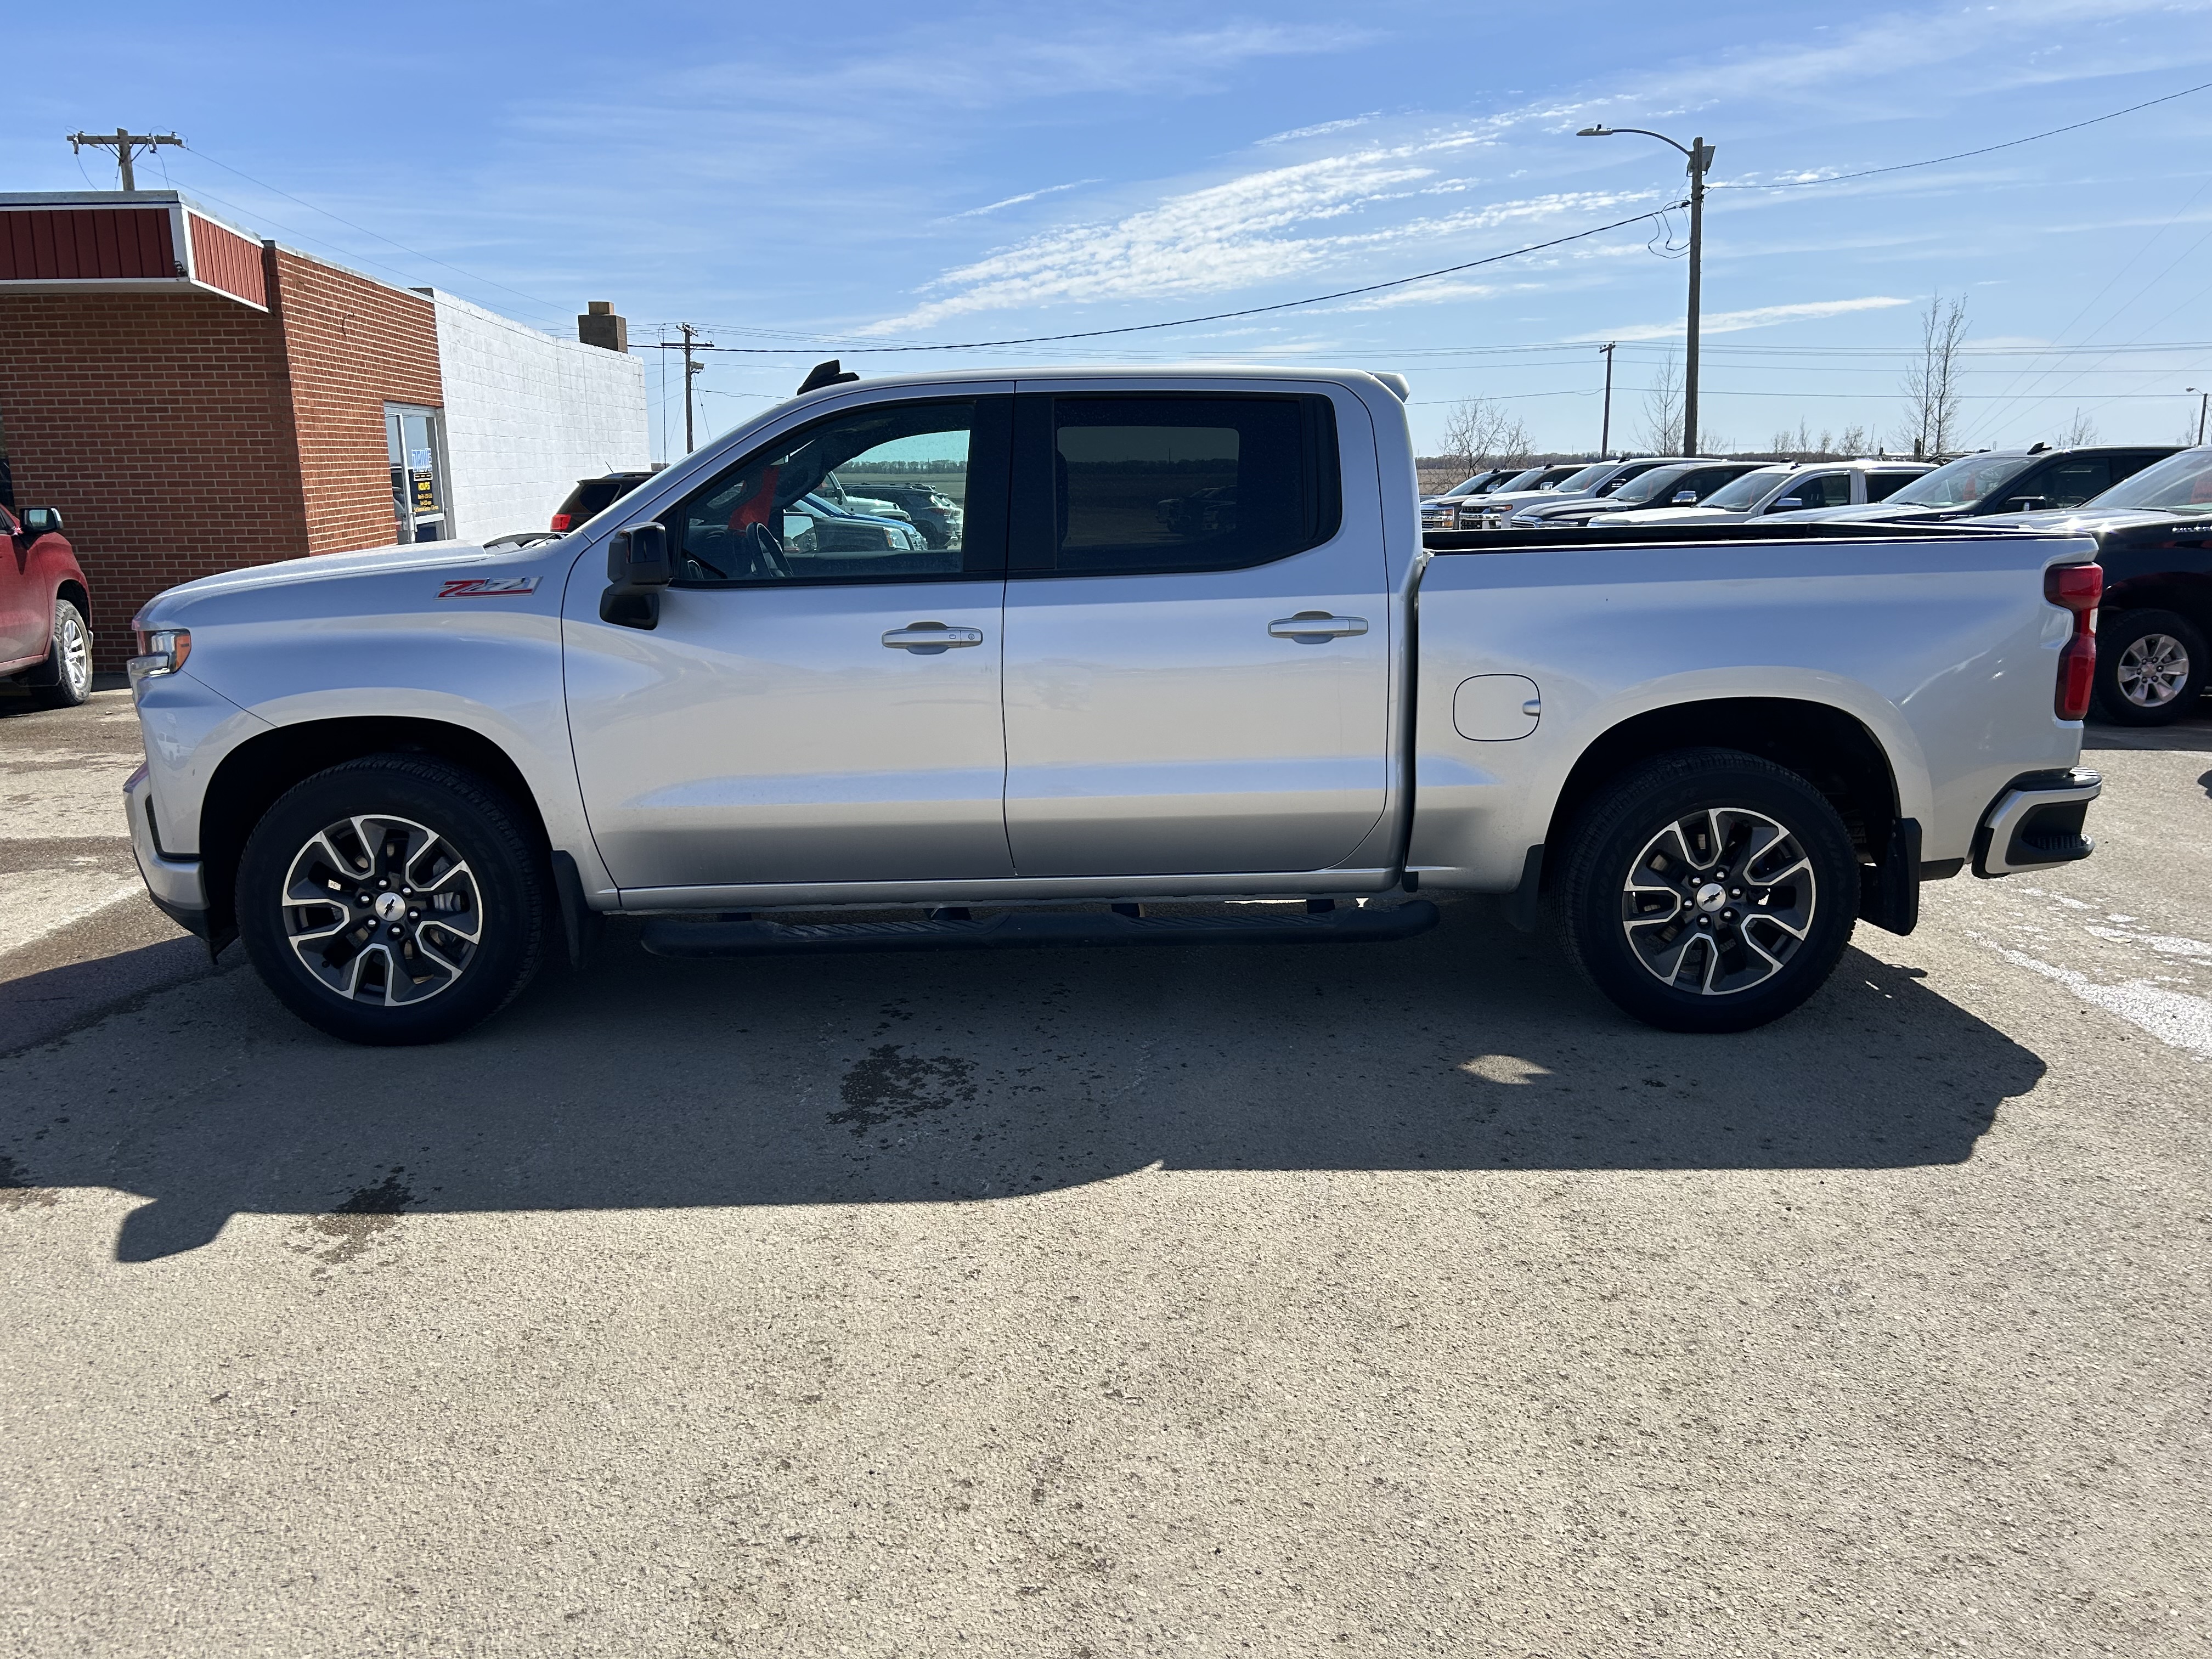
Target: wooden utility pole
1605,431
126,144
691,345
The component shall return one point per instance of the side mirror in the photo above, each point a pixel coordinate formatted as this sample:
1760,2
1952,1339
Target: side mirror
637,569
41,521
1685,498
1787,504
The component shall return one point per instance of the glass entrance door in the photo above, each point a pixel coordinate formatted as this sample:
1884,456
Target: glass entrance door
417,445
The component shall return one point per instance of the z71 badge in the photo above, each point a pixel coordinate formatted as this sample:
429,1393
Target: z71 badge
488,587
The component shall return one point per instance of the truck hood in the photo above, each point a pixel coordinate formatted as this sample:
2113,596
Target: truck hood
1669,515
1865,512
222,591
2072,520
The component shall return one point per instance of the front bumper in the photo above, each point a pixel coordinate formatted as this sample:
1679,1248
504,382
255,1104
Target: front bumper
175,885
2037,822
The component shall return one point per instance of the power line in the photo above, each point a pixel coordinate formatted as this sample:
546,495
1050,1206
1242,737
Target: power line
1212,317
1965,155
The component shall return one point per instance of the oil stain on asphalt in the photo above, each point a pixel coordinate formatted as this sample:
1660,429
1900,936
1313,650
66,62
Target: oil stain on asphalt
889,1084
364,1221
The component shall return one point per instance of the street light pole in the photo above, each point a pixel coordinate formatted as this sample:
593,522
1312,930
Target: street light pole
2203,398
1700,156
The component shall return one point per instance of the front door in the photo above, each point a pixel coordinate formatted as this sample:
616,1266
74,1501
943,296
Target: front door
1197,637
819,703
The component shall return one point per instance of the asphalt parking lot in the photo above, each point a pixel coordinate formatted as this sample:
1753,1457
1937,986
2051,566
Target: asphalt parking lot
1387,1300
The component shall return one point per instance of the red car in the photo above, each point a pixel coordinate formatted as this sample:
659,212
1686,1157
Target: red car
45,643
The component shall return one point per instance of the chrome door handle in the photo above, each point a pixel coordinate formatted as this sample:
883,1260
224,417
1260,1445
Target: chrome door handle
927,639
1316,625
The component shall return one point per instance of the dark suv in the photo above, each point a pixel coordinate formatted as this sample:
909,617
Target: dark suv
593,496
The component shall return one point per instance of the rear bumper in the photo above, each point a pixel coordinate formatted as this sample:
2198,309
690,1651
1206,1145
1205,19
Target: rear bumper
2037,822
176,885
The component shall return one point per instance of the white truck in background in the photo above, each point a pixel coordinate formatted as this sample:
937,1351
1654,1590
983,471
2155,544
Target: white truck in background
1183,641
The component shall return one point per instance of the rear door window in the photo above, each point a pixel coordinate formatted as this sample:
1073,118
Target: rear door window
1125,484
1881,486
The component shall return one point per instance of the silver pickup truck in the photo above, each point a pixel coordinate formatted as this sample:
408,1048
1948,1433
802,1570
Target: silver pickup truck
1166,662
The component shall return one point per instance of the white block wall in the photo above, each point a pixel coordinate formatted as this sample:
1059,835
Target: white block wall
527,415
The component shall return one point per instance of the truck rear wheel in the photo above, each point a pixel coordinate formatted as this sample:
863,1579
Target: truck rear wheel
2150,667
393,900
1709,890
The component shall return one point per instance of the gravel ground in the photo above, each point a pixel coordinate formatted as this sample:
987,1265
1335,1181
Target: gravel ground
1399,1300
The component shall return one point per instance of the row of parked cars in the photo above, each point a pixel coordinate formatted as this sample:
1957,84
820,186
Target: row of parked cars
2149,507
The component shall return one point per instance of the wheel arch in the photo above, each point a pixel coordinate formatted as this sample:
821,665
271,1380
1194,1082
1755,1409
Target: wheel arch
253,775
1829,747
75,591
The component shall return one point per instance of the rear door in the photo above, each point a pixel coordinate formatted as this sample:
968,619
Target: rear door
1197,634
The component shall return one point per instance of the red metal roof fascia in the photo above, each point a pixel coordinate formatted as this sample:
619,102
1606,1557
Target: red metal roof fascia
40,244
222,260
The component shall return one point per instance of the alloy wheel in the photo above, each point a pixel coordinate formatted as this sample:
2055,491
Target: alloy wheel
382,910
2152,670
1718,901
75,654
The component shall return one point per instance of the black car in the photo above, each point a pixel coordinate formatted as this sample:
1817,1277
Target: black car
2154,534
593,496
1993,481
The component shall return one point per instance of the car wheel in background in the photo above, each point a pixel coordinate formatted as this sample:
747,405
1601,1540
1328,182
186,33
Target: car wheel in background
2150,667
64,679
393,900
1709,890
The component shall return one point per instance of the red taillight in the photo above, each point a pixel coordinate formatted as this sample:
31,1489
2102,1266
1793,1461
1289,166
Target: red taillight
562,520
2075,587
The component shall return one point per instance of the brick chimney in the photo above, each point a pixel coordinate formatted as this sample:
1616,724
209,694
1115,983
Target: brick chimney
599,326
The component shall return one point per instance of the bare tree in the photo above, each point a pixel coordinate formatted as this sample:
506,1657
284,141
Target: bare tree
1663,410
1480,433
1931,385
2083,431
1854,442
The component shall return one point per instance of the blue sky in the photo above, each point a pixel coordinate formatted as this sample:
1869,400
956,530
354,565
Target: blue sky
831,178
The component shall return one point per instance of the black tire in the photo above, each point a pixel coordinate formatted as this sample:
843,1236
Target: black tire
64,679
1610,876
444,839
2151,666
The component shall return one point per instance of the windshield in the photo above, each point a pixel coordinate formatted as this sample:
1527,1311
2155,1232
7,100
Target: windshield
1963,481
1518,481
1468,486
1550,478
1636,470
1743,495
1648,487
2177,484
1585,479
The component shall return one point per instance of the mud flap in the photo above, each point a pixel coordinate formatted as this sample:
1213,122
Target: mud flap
1889,890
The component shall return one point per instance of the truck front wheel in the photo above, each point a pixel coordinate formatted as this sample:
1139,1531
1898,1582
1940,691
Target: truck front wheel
393,900
1709,890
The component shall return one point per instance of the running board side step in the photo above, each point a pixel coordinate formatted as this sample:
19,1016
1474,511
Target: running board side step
1018,930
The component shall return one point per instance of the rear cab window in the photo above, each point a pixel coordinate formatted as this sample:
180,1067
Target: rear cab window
1125,484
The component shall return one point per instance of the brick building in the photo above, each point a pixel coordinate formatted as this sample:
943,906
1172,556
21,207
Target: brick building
194,400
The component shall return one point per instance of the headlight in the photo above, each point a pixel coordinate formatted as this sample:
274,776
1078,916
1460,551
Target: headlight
162,651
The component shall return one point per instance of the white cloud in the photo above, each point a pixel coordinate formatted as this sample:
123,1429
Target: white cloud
1316,131
1026,196
1733,322
1239,234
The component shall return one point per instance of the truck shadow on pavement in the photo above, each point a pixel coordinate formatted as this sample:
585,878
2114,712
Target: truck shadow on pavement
901,1080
